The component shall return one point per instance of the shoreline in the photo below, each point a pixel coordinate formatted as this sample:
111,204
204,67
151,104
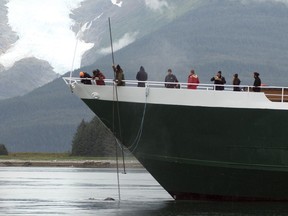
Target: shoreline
70,163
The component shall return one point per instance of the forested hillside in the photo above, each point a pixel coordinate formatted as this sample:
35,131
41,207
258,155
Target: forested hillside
93,139
44,120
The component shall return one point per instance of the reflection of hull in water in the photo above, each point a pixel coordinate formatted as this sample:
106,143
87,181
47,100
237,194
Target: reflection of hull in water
201,144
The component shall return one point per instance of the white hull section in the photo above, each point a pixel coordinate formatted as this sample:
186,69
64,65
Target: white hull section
202,97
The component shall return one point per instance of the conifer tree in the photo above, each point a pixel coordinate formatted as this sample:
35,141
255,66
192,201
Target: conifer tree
93,139
3,150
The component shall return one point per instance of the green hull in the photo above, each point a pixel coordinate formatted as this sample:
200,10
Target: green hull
205,153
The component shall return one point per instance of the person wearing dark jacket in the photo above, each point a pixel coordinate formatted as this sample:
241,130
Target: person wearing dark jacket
141,76
236,83
85,78
219,81
119,75
171,78
257,82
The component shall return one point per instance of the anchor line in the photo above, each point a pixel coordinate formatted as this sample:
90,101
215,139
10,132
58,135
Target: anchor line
117,99
113,115
120,132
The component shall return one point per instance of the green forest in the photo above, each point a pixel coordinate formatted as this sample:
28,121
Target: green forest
93,139
3,150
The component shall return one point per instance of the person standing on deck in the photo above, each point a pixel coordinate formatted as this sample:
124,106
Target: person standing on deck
219,81
171,78
236,82
119,75
99,77
193,79
257,82
141,76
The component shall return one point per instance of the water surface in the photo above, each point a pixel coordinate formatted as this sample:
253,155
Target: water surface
82,191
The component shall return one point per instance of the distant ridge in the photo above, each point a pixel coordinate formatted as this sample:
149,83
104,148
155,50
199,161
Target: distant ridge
44,120
24,76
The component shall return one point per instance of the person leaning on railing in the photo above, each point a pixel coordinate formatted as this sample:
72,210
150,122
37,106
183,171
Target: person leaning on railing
119,75
99,77
85,78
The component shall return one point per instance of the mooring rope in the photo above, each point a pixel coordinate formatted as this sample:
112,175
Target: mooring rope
136,141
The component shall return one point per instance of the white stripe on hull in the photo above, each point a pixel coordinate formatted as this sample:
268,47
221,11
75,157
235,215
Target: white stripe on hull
185,97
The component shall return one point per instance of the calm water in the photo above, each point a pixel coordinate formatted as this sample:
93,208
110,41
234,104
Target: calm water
73,191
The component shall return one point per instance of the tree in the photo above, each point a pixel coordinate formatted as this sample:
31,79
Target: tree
93,139
3,150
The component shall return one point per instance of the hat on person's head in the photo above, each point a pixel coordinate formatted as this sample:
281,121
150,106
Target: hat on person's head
81,74
219,72
256,74
169,70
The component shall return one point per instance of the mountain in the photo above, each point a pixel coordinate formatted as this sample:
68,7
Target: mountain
44,120
129,23
25,75
229,35
132,21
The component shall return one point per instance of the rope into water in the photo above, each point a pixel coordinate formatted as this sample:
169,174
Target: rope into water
113,114
137,139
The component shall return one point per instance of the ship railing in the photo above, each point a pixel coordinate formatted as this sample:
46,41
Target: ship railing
72,80
273,93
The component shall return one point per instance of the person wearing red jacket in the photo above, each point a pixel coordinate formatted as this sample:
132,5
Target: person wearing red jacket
193,79
99,77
